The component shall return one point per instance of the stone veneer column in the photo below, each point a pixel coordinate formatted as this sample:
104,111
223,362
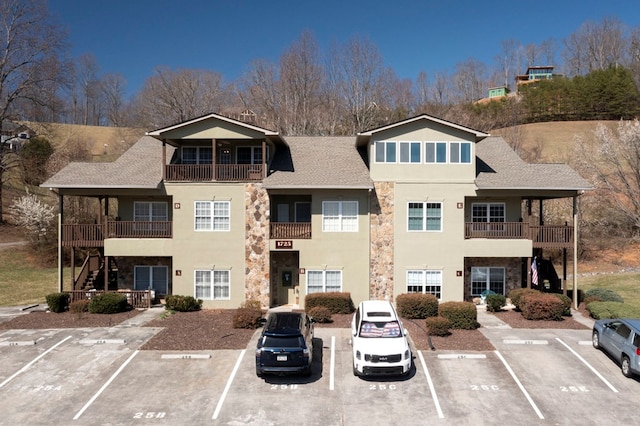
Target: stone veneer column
382,236
256,280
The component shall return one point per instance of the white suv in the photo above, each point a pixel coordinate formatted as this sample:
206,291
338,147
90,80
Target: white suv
380,345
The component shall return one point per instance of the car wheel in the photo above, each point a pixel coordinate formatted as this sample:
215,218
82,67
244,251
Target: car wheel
625,366
259,374
595,339
307,372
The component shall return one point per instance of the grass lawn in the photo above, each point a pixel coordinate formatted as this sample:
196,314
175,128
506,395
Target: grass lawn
625,284
21,282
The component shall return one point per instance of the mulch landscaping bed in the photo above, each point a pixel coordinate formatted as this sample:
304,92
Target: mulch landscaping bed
46,320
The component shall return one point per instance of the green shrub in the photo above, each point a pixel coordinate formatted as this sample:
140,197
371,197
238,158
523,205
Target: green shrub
247,318
566,303
542,306
58,302
604,294
79,306
517,294
417,305
182,303
495,302
320,314
462,315
590,299
108,303
438,326
604,310
336,302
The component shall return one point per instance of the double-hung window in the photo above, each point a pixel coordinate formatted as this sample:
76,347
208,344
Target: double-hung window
460,152
424,216
339,216
487,278
150,278
212,215
425,281
212,285
488,216
435,152
386,152
323,281
410,152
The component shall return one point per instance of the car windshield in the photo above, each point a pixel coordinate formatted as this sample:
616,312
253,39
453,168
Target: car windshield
380,329
281,342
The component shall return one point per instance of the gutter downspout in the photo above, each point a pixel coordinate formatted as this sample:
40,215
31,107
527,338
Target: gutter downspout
575,252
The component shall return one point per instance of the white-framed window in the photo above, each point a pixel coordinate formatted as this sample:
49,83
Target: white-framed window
386,152
150,211
410,152
487,278
151,278
339,216
320,281
197,155
425,281
460,152
212,284
435,152
212,216
424,216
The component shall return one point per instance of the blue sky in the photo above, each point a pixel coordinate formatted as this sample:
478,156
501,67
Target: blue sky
132,37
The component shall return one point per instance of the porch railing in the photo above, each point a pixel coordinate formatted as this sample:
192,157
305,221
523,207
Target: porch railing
543,236
136,298
82,235
290,230
205,172
93,235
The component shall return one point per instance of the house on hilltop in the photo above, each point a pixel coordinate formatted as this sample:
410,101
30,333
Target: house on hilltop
227,211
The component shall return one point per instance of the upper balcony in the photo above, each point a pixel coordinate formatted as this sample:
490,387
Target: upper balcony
290,230
211,172
93,235
542,236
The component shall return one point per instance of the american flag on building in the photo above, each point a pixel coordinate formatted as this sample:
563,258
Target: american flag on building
534,272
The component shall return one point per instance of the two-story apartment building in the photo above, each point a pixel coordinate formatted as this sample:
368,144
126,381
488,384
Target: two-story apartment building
227,211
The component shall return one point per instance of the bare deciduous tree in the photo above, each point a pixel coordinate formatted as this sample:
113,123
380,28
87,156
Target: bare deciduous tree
113,91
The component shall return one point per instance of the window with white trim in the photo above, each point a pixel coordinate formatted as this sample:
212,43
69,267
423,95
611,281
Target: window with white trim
424,216
212,216
197,155
410,152
150,211
212,284
425,281
435,152
385,152
150,278
319,281
488,216
487,278
339,216
460,152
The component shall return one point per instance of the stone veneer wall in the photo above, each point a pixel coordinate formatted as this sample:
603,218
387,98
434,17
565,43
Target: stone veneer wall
512,266
382,260
256,280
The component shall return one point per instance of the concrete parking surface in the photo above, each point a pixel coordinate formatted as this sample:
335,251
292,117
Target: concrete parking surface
99,376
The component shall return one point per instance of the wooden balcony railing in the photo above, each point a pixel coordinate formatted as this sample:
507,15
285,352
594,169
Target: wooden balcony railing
136,298
543,236
290,230
223,172
93,235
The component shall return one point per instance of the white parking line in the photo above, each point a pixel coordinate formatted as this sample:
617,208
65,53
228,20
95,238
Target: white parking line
431,387
23,369
522,389
226,388
332,367
108,382
588,365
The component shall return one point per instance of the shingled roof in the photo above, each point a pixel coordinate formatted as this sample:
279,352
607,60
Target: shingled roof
499,167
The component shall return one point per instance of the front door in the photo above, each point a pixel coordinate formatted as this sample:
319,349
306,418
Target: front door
284,278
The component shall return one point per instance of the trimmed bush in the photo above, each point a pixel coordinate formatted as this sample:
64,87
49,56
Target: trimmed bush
182,303
247,318
604,294
58,302
590,299
495,302
79,306
604,310
320,314
336,302
251,303
108,303
517,294
543,306
462,315
417,305
566,303
438,326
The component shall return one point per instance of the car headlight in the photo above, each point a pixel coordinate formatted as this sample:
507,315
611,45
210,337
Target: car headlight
358,355
407,354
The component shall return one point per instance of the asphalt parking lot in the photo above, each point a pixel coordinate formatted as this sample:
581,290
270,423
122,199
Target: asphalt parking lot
98,376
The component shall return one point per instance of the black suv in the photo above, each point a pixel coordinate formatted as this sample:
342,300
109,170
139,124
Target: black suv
286,344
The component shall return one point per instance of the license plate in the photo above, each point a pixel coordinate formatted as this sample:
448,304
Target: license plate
281,358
